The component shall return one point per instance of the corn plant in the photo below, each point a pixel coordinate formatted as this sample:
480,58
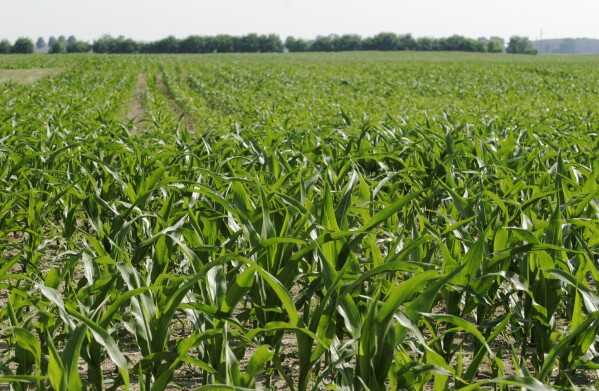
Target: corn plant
306,222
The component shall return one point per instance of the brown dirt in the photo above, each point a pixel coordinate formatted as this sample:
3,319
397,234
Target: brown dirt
137,109
27,76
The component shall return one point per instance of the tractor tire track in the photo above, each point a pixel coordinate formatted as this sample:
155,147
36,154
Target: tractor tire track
137,108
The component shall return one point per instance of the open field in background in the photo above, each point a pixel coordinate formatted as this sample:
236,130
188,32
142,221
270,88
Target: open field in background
26,76
349,221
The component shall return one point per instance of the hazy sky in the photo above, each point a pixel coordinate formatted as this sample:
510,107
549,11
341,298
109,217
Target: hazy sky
154,19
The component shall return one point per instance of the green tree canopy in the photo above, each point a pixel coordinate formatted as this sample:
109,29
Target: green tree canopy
5,46
23,46
406,42
322,44
224,43
495,45
249,43
169,44
270,43
108,44
78,47
71,40
40,44
193,44
296,44
58,47
520,45
348,42
426,44
382,41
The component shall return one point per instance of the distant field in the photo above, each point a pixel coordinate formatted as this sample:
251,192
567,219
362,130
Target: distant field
348,221
26,76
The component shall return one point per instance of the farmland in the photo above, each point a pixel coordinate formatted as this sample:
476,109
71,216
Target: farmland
356,221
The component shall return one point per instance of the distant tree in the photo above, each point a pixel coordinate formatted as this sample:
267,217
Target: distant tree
23,46
296,45
406,42
567,46
102,44
223,43
483,44
57,48
78,47
495,45
169,44
347,43
383,41
71,40
367,43
454,43
124,45
322,44
254,43
108,44
211,45
426,44
193,44
249,43
57,44
520,45
270,43
498,39
5,46
166,45
445,44
40,44
477,45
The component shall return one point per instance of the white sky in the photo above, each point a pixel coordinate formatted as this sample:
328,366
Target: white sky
154,19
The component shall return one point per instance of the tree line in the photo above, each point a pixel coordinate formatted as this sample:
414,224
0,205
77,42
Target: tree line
272,43
61,44
567,46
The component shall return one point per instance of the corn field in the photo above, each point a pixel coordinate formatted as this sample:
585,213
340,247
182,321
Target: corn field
300,222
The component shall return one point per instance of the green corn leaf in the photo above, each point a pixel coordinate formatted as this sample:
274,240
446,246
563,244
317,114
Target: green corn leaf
21,379
104,339
464,325
526,383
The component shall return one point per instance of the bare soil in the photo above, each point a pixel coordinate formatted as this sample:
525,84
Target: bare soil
27,76
137,109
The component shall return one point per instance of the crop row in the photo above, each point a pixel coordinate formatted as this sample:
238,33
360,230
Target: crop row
301,222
